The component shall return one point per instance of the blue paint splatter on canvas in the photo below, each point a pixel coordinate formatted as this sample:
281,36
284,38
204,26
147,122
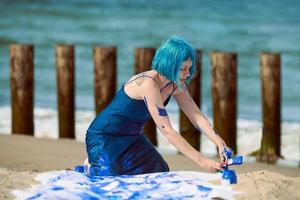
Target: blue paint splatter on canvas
164,185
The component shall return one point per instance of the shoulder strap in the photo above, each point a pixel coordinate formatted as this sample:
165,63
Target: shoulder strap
169,97
174,88
166,86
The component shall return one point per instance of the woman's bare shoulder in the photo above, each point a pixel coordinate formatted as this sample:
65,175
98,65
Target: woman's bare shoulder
141,83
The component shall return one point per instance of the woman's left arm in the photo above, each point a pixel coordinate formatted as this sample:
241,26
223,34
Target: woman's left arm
198,119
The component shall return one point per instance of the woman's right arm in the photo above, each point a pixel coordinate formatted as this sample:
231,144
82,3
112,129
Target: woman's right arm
151,95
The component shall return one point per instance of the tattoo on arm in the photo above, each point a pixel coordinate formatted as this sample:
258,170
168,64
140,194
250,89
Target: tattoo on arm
163,126
161,111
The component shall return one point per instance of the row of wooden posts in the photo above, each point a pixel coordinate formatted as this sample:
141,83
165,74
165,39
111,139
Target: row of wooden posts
224,93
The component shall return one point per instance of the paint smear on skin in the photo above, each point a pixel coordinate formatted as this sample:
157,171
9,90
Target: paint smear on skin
162,112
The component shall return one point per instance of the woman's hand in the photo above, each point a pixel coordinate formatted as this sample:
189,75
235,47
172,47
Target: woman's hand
210,164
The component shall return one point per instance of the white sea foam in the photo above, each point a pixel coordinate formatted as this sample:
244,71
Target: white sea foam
249,132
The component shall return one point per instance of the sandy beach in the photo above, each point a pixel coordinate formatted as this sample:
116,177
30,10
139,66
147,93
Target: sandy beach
23,157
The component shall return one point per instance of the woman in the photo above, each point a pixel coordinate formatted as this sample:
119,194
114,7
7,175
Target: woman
115,141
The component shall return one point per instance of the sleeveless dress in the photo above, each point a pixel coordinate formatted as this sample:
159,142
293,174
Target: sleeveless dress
115,142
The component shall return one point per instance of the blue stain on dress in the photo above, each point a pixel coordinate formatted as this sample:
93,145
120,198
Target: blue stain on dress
162,112
115,142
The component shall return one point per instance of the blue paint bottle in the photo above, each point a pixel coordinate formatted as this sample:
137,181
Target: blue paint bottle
229,176
238,160
228,153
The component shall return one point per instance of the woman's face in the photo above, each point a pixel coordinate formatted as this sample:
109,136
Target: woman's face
185,70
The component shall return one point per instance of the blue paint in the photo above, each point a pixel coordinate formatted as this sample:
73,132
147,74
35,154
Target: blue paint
163,185
97,189
228,153
230,175
55,188
238,160
136,195
88,196
175,181
35,196
162,112
203,188
79,168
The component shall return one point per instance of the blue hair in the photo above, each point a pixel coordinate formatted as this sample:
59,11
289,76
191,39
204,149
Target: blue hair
169,59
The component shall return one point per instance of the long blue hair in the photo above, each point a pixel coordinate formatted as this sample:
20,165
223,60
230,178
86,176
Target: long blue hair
169,59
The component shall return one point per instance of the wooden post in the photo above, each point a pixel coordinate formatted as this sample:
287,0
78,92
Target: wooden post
270,79
224,96
65,67
143,62
187,130
22,87
105,69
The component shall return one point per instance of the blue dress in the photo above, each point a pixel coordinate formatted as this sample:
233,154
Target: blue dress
115,142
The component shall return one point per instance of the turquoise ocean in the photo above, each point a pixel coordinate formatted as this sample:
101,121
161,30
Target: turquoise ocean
245,27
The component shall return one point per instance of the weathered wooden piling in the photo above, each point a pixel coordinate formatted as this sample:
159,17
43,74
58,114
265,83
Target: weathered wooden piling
187,130
105,77
22,87
143,62
224,96
65,67
271,107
